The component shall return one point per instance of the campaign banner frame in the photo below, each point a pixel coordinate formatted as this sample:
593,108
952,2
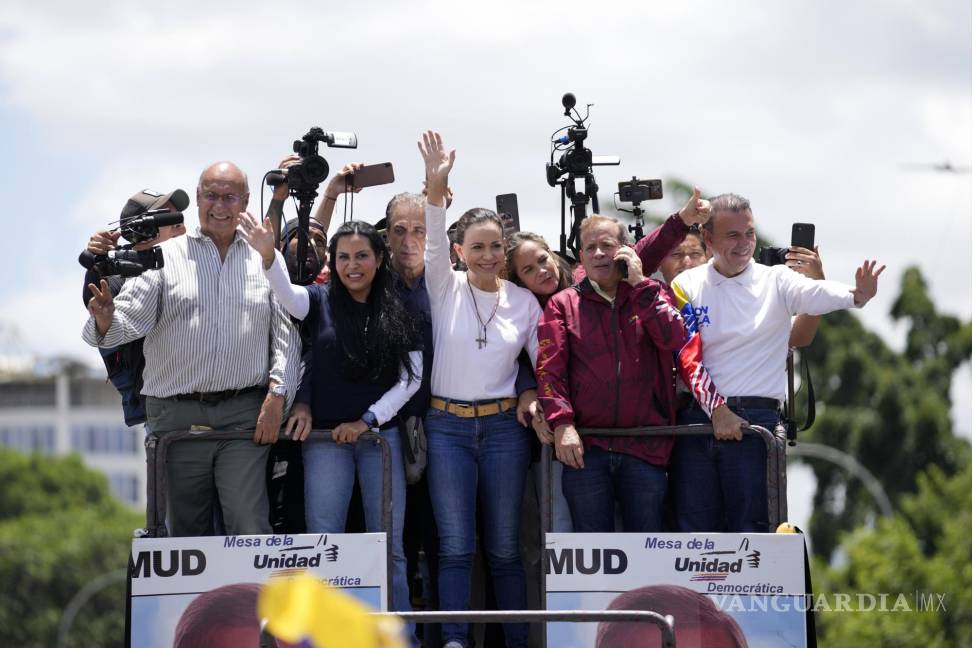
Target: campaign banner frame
168,574
757,580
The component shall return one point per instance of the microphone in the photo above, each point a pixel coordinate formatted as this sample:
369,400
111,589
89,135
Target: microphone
162,218
568,101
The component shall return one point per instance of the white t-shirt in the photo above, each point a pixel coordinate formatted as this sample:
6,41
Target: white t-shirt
460,368
745,321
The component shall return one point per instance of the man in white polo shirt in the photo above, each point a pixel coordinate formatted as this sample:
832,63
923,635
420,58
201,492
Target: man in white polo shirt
738,313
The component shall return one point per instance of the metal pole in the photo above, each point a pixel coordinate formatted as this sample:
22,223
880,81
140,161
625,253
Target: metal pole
851,465
83,596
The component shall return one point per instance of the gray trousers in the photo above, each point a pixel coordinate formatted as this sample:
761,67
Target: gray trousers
198,469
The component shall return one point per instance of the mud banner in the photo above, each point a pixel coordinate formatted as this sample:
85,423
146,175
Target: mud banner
738,590
182,587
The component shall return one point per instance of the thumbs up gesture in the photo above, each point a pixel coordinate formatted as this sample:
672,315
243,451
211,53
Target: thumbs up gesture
696,210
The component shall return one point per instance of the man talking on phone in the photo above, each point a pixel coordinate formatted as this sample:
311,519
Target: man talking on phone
738,314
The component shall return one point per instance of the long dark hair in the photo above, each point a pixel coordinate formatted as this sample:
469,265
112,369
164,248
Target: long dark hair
376,339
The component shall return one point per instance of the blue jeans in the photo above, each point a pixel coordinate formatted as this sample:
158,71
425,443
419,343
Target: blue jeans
329,470
591,491
486,456
721,485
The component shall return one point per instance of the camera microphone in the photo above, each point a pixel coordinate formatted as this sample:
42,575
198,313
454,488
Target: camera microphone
164,219
568,101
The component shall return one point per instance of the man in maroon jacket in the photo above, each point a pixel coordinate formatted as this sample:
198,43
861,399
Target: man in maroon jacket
606,361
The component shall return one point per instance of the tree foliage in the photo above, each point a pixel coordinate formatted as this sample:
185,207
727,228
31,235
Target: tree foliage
921,553
59,529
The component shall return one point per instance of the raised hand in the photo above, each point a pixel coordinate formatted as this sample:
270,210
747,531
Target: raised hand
806,262
696,210
259,235
438,164
101,306
866,282
103,242
339,183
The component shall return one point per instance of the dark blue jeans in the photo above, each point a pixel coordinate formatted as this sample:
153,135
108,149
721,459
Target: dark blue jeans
721,485
485,457
609,477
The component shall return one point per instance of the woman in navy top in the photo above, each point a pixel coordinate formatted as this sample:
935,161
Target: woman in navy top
365,363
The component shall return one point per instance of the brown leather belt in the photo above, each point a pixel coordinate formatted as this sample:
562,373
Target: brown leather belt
466,409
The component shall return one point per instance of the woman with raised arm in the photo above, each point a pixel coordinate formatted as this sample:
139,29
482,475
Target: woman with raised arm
365,364
477,446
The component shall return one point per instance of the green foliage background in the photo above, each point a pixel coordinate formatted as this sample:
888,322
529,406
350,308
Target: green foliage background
60,528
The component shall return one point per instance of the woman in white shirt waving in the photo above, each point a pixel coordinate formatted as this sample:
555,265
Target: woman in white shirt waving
477,446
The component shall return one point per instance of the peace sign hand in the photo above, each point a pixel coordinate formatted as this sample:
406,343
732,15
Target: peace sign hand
101,306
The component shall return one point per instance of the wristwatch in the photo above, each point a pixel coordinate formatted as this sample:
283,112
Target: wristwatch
370,420
279,390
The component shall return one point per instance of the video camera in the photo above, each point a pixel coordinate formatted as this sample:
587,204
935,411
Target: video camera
577,162
302,178
310,171
125,261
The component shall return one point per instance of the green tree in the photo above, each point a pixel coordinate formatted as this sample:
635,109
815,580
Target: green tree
925,548
60,528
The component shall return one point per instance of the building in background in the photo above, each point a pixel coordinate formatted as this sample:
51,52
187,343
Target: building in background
59,406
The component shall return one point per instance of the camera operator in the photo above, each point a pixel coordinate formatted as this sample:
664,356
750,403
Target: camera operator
125,362
319,224
741,311
605,361
220,353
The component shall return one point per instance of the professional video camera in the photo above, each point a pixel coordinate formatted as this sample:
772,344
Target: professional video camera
126,261
576,163
303,177
636,191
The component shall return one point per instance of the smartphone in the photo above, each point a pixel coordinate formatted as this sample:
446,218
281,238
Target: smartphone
623,268
373,174
508,212
802,235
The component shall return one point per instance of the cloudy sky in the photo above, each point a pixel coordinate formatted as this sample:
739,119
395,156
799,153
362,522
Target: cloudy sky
808,108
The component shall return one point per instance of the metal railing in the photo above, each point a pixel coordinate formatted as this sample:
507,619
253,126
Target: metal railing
665,623
156,452
775,464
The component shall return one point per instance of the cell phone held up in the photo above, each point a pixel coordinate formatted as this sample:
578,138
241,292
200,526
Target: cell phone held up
802,236
509,213
372,175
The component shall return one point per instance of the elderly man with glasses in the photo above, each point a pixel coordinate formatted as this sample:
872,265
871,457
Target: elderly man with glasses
220,353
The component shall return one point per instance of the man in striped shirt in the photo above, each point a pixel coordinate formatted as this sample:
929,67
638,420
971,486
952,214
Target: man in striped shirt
220,353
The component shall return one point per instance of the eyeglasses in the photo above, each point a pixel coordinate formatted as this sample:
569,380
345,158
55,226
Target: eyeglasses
227,199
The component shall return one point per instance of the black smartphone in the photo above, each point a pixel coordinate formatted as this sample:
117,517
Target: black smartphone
508,212
372,175
622,268
802,235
